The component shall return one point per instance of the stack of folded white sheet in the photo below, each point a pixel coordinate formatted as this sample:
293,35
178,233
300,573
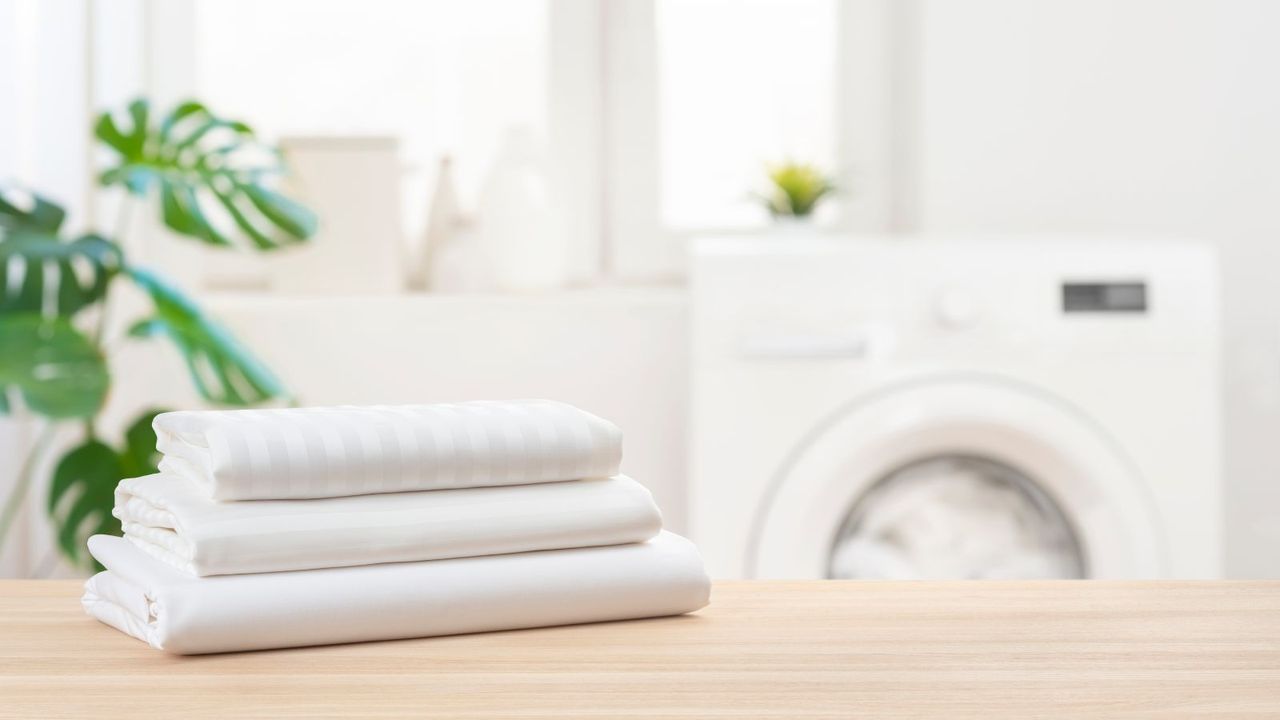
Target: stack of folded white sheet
288,527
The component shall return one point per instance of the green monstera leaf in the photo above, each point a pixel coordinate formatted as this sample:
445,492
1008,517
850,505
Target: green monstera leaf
223,370
86,476
139,455
82,491
24,211
210,174
40,271
54,368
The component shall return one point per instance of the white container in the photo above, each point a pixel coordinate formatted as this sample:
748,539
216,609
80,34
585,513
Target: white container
461,265
515,223
353,185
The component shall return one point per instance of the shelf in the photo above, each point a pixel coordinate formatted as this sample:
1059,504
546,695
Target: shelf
603,296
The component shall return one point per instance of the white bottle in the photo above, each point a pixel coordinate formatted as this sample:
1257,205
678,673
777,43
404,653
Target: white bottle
443,219
515,223
461,265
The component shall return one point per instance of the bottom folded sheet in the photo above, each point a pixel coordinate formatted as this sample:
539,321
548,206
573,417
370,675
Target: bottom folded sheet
178,613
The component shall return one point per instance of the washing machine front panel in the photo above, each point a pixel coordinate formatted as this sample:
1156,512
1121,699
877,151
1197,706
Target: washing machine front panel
1016,480
1124,331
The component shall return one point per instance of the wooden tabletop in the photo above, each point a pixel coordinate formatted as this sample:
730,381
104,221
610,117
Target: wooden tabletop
761,650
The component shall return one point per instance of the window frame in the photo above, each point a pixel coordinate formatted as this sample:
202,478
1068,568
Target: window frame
639,246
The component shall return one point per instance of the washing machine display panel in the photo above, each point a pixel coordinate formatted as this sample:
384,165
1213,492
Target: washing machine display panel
956,517
1104,297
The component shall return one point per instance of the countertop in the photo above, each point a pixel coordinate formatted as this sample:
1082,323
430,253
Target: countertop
762,649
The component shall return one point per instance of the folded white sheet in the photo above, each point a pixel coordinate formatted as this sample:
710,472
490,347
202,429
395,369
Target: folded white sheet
169,519
337,451
151,601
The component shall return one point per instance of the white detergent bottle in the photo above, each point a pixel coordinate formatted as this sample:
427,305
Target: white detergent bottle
515,222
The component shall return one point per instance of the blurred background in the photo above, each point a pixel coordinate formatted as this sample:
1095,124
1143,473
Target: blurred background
875,288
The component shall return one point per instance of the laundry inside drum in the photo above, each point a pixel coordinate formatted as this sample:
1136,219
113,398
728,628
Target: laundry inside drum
956,517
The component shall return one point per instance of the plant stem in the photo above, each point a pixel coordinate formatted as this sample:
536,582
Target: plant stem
123,218
104,312
122,227
18,494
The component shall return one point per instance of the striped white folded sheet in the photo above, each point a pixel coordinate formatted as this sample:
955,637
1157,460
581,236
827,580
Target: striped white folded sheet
181,614
339,451
168,518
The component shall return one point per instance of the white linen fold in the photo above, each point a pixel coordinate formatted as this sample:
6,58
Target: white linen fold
287,453
181,614
169,519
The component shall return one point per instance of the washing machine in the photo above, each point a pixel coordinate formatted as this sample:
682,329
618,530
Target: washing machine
955,408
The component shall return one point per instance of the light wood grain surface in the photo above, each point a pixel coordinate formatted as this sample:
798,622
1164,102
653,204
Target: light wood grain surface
761,650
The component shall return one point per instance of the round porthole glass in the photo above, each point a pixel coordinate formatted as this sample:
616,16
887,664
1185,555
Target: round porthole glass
956,517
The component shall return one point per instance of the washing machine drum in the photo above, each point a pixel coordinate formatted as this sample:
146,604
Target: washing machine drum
955,479
956,516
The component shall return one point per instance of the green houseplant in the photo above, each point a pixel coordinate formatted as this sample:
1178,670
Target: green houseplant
795,189
211,180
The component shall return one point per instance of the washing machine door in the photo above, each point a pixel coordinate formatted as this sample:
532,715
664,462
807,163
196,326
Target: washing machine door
958,477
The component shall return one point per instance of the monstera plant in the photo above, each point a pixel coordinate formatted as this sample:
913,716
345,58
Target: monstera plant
212,181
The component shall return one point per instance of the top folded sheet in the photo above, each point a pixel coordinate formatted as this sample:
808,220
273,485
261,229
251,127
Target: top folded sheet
337,451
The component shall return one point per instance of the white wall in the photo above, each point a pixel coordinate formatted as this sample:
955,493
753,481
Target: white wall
1138,115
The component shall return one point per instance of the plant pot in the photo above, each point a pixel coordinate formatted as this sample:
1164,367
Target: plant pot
794,224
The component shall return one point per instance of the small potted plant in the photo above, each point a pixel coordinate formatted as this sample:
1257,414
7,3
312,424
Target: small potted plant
795,189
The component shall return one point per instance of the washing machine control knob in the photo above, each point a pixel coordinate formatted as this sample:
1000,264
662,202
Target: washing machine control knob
956,309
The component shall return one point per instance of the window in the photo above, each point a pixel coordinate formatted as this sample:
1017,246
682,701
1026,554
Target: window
740,84
703,94
446,78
